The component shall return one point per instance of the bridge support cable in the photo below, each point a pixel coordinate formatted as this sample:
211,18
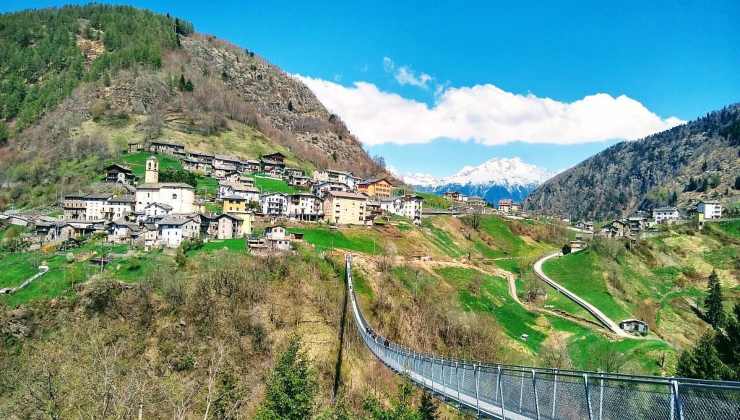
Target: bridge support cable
526,392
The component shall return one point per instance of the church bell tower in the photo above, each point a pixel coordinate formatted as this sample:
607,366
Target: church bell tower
151,176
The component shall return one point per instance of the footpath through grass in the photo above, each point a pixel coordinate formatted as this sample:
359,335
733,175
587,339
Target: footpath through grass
441,239
18,266
480,292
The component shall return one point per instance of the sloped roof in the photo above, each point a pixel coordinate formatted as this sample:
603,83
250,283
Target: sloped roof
154,186
349,195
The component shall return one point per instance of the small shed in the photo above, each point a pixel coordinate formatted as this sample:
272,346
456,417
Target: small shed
634,326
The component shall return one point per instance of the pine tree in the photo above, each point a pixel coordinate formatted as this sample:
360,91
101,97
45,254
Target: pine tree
291,388
728,343
181,83
427,407
703,361
673,199
4,134
715,313
737,182
189,86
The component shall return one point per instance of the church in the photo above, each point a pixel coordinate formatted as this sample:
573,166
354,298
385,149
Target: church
178,195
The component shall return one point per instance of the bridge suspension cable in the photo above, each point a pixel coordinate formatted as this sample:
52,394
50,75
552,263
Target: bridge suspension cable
525,392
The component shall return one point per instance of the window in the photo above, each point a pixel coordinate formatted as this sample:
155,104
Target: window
174,196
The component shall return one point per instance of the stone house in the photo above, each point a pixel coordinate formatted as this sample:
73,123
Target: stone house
504,206
116,173
166,148
634,326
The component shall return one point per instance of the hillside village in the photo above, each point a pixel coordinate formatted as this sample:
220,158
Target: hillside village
155,214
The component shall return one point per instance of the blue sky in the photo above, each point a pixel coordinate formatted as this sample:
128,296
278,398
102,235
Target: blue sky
480,75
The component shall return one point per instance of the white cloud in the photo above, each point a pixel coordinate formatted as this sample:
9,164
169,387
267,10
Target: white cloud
388,64
484,113
404,75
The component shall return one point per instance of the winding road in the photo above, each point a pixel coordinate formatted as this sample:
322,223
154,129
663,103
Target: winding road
605,320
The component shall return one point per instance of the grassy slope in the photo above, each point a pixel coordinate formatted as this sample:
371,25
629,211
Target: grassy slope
578,273
434,200
488,295
492,297
666,274
359,240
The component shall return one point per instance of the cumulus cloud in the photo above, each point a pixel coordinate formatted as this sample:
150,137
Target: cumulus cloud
484,113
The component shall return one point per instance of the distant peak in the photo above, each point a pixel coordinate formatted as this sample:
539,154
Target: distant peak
499,171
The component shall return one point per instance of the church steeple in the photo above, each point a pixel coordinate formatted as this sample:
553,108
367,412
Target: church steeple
151,176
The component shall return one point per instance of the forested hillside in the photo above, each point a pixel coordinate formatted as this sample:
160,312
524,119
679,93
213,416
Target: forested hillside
79,83
680,166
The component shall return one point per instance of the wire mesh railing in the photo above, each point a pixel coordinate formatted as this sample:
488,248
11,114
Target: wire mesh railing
521,392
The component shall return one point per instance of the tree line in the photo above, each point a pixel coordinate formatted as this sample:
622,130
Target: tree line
40,62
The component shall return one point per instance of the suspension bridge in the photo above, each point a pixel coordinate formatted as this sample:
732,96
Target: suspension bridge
525,392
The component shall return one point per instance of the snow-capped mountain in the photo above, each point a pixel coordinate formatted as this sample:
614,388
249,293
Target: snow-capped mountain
493,180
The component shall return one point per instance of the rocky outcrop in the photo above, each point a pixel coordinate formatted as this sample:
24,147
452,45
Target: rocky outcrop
285,102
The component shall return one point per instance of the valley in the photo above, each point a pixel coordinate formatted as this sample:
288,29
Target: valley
177,215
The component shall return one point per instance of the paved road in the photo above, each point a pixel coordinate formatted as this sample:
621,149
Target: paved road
605,320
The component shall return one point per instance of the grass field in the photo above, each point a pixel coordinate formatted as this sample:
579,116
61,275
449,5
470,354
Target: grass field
231,245
483,293
730,227
586,347
59,281
205,185
324,238
577,273
434,201
17,267
266,184
441,239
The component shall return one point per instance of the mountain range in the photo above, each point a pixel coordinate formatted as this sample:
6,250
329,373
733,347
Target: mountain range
695,161
495,179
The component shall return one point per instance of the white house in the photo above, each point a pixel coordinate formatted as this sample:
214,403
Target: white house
118,207
709,209
305,206
174,229
331,175
237,189
274,204
177,195
277,238
95,206
321,189
409,206
121,230
157,210
666,215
